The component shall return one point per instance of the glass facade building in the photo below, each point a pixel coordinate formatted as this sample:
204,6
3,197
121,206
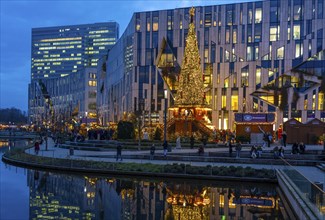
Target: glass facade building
59,51
263,56
64,69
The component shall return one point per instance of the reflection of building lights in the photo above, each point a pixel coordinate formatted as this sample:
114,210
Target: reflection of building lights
85,189
91,195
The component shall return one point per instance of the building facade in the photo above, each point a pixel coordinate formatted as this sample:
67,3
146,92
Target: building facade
63,72
264,56
57,100
59,51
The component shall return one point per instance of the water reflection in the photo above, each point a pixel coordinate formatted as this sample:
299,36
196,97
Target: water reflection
83,197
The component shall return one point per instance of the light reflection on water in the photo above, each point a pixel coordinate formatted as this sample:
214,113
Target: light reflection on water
43,195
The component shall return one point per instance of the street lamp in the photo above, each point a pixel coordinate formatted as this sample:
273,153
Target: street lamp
165,115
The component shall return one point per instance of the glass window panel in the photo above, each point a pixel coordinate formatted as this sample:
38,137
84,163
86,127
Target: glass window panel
297,12
320,9
249,53
274,33
258,75
321,101
234,102
280,53
227,36
155,24
258,15
234,35
296,31
250,16
148,24
257,54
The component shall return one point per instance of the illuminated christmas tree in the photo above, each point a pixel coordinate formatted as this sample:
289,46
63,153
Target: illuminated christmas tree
191,88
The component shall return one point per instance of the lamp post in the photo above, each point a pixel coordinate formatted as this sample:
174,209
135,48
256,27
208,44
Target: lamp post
165,115
86,114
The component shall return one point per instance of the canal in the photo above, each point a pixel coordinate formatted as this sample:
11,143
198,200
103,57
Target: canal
35,194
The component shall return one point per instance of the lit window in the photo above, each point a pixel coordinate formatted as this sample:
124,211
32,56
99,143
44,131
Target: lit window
224,101
314,102
155,24
258,15
138,24
289,33
244,77
258,76
206,55
271,73
306,103
296,31
148,24
249,53
227,36
274,33
250,16
234,36
299,49
257,55
226,83
234,100
227,56
280,53
321,101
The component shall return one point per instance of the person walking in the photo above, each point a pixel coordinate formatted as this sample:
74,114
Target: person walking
269,140
192,141
178,143
152,151
119,152
238,149
36,147
284,138
165,146
230,147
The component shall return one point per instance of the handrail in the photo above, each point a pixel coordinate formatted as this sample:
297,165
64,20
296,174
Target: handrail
288,164
310,192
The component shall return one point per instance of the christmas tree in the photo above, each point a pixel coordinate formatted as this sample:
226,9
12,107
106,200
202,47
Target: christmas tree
191,88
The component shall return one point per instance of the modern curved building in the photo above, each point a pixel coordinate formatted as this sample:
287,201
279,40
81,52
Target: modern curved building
263,56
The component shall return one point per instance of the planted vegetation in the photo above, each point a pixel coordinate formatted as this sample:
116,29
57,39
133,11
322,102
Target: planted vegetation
147,168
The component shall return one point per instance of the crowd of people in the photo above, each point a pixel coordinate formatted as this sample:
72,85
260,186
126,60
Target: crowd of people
228,137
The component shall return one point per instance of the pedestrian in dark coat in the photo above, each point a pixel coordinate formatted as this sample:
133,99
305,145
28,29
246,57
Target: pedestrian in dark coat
152,152
284,138
165,146
119,152
36,147
230,148
192,142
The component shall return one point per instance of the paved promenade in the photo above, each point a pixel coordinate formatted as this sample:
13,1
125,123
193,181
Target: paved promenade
313,174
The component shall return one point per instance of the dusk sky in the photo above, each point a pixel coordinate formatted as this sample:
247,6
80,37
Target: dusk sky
19,17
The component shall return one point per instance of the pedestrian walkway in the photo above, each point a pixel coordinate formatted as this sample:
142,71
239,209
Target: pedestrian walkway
313,174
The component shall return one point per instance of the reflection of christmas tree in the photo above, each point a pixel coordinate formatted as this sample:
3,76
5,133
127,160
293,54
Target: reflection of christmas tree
191,87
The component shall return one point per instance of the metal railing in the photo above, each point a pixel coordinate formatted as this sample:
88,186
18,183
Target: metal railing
312,193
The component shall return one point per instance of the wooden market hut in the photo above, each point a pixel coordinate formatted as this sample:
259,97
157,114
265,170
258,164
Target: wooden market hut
308,132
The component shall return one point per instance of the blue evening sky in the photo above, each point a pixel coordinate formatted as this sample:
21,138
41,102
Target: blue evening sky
17,18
